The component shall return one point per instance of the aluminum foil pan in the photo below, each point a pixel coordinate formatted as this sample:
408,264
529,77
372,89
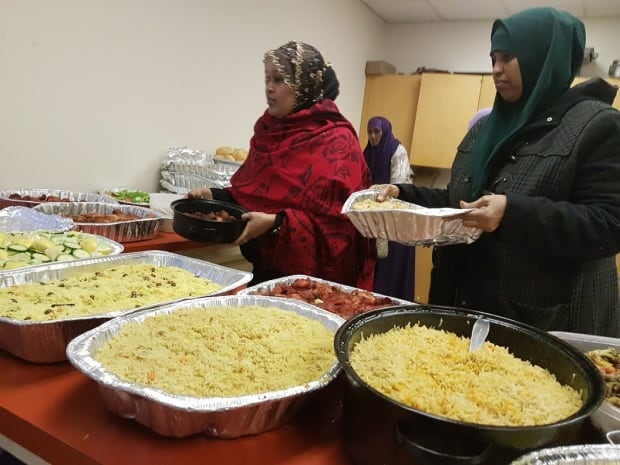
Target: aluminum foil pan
413,225
146,227
45,342
13,219
268,286
193,181
586,454
180,416
5,201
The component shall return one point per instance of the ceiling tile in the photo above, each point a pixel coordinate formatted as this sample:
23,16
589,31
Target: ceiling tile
459,10
576,7
597,8
403,10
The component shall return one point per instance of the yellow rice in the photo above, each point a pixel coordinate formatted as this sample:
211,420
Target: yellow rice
220,351
432,370
120,287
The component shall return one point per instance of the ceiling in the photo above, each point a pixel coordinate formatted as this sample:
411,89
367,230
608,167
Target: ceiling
400,11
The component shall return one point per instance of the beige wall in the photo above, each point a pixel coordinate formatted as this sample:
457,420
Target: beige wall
93,92
464,46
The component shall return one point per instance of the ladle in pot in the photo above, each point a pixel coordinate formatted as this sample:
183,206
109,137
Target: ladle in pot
479,334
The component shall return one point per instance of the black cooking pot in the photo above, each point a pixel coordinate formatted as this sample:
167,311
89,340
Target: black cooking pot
185,224
378,430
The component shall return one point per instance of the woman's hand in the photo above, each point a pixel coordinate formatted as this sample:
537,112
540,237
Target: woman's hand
200,193
487,214
386,191
258,224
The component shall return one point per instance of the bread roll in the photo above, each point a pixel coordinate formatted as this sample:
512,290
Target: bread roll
224,150
240,154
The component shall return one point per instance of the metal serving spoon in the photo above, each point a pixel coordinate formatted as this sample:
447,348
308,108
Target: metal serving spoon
479,334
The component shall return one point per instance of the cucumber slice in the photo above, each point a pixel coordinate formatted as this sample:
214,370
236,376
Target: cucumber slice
17,248
39,257
80,253
64,257
72,245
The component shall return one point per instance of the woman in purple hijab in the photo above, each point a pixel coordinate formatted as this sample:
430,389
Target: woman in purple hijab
389,163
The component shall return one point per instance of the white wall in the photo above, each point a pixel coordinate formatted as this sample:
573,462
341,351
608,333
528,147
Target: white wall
464,46
94,92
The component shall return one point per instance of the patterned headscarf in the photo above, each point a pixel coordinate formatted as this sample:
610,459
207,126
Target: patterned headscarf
305,71
379,157
549,45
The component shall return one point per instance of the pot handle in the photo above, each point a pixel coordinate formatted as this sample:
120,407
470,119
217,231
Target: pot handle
469,452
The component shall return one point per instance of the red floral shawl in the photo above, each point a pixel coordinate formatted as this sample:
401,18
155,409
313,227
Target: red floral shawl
306,165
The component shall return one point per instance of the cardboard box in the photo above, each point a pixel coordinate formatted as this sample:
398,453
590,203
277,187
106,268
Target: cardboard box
379,67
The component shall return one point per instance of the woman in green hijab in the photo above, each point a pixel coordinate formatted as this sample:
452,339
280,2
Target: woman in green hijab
542,175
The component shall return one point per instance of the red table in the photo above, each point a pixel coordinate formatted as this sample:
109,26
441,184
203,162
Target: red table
168,241
55,412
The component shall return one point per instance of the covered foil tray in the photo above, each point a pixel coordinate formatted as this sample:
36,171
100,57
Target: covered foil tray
46,342
268,286
144,228
13,219
5,201
180,416
586,454
411,225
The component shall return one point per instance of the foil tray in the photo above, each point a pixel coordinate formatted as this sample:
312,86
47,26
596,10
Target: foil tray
268,286
607,417
144,228
586,454
181,416
413,225
15,219
46,341
5,201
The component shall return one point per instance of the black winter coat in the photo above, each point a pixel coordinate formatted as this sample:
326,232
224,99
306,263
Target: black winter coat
551,262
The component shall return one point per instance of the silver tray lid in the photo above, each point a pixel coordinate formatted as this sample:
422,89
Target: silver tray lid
17,218
413,224
81,350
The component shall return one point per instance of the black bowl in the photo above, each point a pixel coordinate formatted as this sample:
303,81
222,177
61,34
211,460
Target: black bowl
186,224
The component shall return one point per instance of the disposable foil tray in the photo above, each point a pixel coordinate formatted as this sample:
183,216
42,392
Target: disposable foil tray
586,454
5,201
145,227
607,417
266,287
411,225
180,416
46,341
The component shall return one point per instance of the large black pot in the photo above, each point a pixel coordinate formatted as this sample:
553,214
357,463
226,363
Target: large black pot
380,431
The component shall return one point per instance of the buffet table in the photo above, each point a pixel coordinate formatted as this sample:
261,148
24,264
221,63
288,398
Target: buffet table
55,413
167,241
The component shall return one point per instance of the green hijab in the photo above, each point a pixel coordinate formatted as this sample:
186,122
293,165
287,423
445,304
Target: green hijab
549,45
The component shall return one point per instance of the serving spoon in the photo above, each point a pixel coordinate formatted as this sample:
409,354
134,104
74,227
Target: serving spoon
479,334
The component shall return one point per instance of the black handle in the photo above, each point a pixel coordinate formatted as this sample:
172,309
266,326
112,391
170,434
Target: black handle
432,446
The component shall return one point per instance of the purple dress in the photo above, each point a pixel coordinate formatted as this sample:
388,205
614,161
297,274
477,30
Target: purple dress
394,274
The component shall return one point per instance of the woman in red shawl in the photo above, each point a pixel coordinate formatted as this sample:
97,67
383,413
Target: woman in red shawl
304,161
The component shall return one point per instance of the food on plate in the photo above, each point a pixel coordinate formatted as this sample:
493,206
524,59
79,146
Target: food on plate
120,287
220,351
432,370
130,196
368,204
329,297
608,363
19,249
221,215
115,217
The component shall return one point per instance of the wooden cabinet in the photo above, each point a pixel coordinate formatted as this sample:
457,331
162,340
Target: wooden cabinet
395,97
487,92
445,106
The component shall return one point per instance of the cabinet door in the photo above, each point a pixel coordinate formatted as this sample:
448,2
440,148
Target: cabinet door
446,104
487,92
395,97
